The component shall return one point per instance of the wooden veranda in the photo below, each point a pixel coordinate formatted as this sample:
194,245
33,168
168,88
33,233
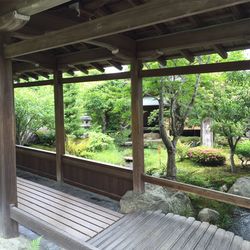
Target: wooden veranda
78,224
49,37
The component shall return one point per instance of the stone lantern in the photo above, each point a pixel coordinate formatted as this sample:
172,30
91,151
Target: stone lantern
86,121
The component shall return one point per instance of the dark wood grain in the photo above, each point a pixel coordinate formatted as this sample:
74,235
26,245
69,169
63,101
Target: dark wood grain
8,228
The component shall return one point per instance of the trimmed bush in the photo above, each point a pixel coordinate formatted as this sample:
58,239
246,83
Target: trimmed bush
243,149
206,156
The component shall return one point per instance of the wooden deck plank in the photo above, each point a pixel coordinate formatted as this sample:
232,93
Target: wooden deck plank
115,226
54,222
177,233
227,241
157,233
245,245
216,241
52,204
237,243
66,215
56,217
124,229
72,198
35,193
137,233
49,231
186,236
76,203
193,240
103,229
204,241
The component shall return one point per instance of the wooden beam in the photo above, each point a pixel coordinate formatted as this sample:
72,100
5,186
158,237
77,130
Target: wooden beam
137,126
30,7
216,34
203,192
59,123
82,69
58,236
115,64
32,84
98,67
188,55
141,16
221,51
184,70
12,21
84,56
198,69
8,188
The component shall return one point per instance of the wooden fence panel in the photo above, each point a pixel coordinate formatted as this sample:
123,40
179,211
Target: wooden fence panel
102,178
106,179
36,161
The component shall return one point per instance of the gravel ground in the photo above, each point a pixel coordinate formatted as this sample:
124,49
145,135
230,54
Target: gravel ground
26,236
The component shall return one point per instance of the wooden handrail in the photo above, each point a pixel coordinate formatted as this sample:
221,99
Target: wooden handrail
203,192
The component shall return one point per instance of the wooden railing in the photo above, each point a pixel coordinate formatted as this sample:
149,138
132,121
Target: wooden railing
107,179
36,161
203,192
102,178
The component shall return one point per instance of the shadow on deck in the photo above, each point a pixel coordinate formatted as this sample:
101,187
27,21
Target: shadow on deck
78,224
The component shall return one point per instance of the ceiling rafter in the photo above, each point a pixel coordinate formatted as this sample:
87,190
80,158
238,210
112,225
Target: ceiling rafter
147,14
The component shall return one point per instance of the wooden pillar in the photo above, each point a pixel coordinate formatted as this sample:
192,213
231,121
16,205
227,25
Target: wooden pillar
137,126
59,123
8,186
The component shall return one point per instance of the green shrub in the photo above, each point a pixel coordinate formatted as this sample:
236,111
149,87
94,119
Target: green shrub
98,141
221,141
182,151
95,142
243,149
46,137
207,156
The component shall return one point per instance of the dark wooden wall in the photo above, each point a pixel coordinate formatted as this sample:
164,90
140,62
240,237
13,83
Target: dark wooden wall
102,178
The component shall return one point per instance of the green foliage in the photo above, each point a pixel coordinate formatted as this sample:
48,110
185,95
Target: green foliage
72,110
86,147
182,150
225,210
109,105
46,137
35,244
206,156
243,149
34,110
121,136
191,140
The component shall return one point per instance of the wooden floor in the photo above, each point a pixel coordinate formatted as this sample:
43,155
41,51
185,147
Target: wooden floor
76,217
155,231
101,228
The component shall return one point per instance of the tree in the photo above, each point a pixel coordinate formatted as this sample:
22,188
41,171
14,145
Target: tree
109,105
72,110
177,95
230,109
34,110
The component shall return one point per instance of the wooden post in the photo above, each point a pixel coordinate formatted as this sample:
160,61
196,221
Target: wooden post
8,186
59,123
137,126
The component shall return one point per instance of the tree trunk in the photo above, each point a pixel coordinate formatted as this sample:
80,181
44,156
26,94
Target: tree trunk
232,163
171,164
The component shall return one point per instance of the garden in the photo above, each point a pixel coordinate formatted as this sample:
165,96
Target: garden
98,126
